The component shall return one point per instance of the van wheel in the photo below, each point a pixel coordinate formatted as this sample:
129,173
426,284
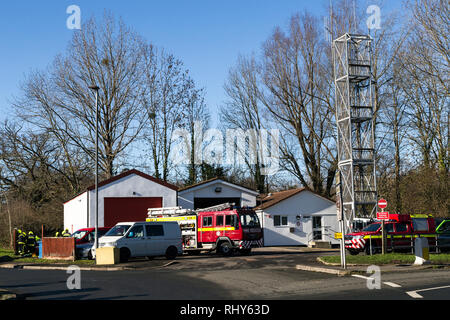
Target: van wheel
124,254
171,253
225,249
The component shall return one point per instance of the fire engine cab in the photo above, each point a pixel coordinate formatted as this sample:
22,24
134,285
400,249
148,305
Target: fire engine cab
223,228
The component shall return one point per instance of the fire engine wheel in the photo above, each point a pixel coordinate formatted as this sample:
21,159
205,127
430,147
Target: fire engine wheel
226,249
171,253
124,254
353,252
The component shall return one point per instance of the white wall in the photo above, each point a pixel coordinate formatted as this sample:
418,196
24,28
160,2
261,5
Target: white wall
124,188
186,197
303,204
75,213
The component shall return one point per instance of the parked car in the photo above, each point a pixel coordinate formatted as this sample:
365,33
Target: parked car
144,239
443,232
84,241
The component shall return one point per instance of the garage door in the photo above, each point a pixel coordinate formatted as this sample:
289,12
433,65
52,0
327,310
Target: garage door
200,203
128,209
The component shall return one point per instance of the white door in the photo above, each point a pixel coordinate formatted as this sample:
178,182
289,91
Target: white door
135,241
156,241
317,228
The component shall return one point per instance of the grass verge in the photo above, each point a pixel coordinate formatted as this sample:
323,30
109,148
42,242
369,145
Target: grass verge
389,258
7,255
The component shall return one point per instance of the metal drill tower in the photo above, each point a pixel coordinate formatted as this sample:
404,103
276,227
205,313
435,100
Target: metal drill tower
355,126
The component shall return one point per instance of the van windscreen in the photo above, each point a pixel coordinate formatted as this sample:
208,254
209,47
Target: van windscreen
118,231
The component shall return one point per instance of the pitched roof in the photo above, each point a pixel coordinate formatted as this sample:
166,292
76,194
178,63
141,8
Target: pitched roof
139,173
274,198
211,180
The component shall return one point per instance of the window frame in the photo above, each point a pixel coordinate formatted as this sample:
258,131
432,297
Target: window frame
280,217
148,227
209,223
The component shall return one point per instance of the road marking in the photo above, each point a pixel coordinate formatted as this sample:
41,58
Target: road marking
393,285
360,276
415,295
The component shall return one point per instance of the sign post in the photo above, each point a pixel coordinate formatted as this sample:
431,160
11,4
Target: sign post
382,204
340,218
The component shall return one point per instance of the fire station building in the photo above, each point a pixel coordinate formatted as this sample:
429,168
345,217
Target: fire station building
213,192
297,217
125,197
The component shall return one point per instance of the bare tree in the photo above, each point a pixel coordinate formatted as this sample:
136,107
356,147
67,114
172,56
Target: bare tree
168,95
58,100
244,111
295,80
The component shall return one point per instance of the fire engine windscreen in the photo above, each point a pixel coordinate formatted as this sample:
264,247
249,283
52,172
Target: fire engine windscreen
372,227
250,220
118,231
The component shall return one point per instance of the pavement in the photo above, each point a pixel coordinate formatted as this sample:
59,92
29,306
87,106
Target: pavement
300,258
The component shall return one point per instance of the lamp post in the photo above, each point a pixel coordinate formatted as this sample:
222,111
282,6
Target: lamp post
96,88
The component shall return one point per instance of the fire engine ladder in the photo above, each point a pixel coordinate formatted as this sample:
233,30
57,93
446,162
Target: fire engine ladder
218,207
169,211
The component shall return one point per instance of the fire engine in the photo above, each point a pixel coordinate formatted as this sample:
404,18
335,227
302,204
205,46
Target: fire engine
223,228
401,230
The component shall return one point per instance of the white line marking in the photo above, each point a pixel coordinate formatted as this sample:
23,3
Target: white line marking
393,285
414,294
360,276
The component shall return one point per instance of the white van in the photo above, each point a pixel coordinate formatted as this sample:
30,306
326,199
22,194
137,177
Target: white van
144,239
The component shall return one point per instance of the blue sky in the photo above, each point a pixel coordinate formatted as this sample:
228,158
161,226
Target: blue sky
207,35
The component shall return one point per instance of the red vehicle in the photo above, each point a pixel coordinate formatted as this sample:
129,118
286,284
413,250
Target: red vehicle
221,228
87,235
401,230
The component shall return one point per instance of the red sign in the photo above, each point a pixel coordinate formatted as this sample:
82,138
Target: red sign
382,203
382,215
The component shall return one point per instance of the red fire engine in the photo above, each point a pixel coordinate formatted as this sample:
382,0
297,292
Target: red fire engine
401,230
222,228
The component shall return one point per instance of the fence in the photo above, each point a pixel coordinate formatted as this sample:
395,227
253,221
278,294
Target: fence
58,248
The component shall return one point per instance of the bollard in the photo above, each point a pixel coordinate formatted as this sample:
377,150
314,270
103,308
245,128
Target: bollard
421,251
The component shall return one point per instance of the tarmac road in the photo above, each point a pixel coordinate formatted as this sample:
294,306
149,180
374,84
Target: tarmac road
263,275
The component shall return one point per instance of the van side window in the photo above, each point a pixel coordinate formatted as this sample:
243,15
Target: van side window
219,220
154,230
207,221
136,232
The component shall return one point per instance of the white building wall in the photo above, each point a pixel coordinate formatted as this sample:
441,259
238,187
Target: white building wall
76,213
303,204
186,197
124,188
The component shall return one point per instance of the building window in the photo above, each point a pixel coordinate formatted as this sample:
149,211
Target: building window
280,221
